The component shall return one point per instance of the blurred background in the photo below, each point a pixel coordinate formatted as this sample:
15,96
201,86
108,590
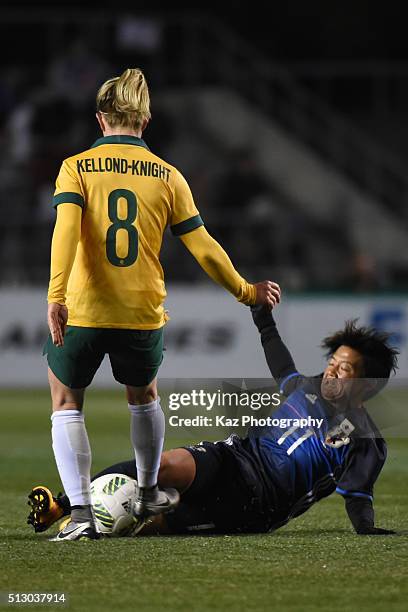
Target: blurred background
291,127
290,121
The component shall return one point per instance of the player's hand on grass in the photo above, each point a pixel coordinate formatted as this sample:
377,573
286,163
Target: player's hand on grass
375,531
57,320
267,293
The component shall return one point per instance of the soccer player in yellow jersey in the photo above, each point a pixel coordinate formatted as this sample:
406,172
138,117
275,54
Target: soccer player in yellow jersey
106,290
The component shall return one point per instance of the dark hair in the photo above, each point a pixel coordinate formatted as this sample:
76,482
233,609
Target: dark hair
379,358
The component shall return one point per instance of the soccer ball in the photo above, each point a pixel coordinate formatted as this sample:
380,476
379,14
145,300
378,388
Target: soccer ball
112,499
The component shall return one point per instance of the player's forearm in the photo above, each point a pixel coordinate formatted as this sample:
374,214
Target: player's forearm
67,233
216,263
278,357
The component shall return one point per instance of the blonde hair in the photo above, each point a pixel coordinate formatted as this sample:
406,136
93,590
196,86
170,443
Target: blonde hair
125,99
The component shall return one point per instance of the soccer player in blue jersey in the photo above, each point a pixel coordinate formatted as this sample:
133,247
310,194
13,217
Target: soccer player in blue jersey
260,482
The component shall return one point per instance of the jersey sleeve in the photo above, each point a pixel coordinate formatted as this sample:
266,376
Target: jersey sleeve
278,357
68,189
184,214
216,263
67,233
363,464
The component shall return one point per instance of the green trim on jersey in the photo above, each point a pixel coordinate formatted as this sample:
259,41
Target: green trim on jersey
68,197
117,139
186,226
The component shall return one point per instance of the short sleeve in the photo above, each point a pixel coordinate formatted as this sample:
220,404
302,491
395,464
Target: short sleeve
364,462
68,189
184,214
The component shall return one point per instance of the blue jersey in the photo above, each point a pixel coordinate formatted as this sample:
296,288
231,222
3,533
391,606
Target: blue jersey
303,463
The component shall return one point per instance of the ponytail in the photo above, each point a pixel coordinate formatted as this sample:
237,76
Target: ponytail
125,99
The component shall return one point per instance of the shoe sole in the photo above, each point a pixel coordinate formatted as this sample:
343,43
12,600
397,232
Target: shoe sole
39,499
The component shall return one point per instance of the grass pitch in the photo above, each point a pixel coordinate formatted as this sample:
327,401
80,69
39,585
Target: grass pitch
314,563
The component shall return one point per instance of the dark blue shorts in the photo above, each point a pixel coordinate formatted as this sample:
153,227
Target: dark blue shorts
228,494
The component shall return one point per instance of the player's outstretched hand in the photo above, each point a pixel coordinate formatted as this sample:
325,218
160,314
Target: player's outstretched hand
267,293
57,320
375,531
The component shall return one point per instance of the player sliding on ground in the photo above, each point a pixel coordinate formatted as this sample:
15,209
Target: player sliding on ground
106,292
260,482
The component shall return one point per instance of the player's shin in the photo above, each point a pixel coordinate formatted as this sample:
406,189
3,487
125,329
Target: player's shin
147,425
73,458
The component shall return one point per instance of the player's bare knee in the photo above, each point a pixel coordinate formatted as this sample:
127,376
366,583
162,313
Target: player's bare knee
138,396
61,401
64,398
164,461
168,470
65,406
177,469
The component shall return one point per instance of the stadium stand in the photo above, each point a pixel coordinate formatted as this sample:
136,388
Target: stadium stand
291,187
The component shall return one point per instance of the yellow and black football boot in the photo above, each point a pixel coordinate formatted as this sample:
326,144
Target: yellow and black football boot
45,509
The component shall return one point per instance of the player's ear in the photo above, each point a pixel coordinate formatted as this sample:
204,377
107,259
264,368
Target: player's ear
144,124
101,122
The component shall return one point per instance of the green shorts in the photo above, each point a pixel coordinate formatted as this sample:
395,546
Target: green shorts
135,355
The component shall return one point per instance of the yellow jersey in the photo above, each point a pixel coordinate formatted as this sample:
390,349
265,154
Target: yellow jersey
128,197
